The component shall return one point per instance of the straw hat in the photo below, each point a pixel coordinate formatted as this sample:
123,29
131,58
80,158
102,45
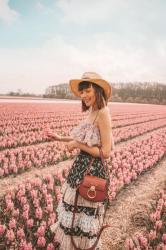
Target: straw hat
91,77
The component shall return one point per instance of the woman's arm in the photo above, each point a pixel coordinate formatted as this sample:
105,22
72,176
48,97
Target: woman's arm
66,138
56,137
94,150
105,127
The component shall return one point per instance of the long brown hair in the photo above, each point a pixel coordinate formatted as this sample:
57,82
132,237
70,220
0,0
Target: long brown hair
99,93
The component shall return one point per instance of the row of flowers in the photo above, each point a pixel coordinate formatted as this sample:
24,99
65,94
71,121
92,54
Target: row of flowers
15,161
28,212
128,132
34,137
35,125
21,112
155,236
43,114
128,162
71,119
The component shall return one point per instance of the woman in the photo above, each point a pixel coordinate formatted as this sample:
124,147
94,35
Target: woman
88,136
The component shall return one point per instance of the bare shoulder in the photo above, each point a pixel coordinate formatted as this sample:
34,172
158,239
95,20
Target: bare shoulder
104,114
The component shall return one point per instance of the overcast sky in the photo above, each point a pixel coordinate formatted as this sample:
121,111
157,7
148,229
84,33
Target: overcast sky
47,42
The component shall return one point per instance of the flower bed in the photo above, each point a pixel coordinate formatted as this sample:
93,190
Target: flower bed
27,213
155,236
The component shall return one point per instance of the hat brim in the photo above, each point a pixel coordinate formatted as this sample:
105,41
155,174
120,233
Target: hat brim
100,82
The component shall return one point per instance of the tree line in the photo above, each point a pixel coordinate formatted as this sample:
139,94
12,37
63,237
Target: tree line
146,92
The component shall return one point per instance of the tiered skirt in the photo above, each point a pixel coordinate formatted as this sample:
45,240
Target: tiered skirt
89,215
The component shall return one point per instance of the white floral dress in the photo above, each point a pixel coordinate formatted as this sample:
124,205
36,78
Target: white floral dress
89,215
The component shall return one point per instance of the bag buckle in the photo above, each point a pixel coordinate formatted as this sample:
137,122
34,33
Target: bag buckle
92,190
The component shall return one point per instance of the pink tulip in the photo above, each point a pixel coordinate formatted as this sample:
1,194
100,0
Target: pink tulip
20,233
159,247
152,235
153,217
10,235
158,224
28,185
50,247
26,207
12,223
15,213
40,231
38,213
23,200
30,223
2,229
164,238
41,242
143,241
10,206
25,246
129,244
33,193
25,215
36,202
49,208
51,219
48,178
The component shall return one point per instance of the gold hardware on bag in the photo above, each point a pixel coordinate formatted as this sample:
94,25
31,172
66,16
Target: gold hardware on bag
91,189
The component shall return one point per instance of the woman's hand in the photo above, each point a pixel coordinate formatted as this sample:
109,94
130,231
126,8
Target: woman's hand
71,145
51,135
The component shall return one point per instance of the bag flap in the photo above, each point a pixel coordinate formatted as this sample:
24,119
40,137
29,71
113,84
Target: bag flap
99,183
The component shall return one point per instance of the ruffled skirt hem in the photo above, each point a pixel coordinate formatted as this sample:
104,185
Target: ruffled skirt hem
81,241
88,225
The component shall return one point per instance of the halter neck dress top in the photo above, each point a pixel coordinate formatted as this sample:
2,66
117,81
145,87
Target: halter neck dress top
87,132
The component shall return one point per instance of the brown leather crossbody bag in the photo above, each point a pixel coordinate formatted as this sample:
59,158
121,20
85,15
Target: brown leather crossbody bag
94,189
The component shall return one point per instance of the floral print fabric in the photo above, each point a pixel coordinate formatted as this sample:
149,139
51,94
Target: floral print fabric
87,133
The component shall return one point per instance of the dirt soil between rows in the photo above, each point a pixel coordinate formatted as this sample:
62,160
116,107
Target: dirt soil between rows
127,213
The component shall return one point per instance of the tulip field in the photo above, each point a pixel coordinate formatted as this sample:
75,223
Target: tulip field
156,231
28,210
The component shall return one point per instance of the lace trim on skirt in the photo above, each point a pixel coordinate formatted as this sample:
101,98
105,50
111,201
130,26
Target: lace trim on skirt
81,241
86,224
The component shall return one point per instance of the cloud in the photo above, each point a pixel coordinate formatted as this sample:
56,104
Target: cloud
83,12
88,12
43,8
40,6
128,18
7,14
33,70
57,61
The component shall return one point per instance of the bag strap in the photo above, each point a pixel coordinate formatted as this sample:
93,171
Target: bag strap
103,162
99,233
88,169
